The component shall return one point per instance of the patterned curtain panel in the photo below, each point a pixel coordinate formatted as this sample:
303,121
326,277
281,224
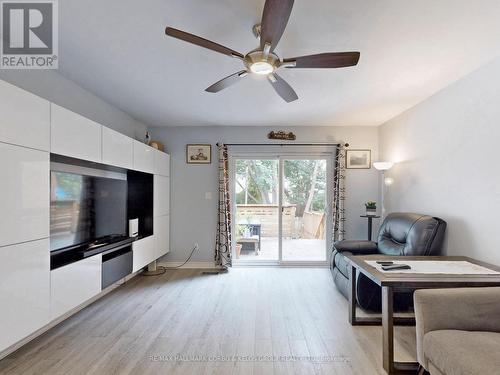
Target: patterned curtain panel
339,194
223,240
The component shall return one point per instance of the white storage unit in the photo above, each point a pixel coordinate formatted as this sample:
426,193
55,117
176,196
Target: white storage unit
161,227
144,157
24,194
161,201
74,284
31,295
162,163
161,205
25,118
74,135
24,290
144,252
117,149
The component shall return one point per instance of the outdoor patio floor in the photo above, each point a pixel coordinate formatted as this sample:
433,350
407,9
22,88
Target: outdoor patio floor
293,250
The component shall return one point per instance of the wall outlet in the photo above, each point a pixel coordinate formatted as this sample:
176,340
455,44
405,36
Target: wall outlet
208,195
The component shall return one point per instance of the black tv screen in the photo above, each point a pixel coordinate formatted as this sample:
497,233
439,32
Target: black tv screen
85,208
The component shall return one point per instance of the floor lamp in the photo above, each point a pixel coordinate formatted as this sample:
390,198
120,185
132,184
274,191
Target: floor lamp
384,166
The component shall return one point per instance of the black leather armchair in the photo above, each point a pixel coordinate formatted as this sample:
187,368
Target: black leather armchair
400,234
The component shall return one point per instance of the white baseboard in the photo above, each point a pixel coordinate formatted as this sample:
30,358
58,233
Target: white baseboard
187,265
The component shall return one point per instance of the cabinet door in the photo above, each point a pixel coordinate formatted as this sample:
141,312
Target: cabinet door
161,227
24,290
25,119
74,284
161,201
117,149
24,194
144,157
162,163
144,252
74,135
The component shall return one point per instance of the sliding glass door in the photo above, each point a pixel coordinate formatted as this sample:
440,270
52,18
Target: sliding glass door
304,210
280,209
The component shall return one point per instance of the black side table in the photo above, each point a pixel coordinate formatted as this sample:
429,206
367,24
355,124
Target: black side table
370,219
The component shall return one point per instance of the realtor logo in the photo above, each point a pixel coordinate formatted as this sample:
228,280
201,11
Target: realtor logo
29,34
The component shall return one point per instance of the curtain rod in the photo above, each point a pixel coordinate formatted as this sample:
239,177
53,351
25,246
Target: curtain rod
285,144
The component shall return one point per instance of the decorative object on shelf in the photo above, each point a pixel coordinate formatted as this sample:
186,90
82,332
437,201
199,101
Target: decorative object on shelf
281,135
157,145
147,138
386,181
358,159
199,154
371,208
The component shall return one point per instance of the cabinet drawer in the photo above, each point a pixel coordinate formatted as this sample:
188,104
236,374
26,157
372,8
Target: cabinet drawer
74,135
117,149
144,157
74,284
24,290
24,194
25,119
144,252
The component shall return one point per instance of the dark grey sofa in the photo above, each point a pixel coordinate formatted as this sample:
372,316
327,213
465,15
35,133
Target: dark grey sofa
400,234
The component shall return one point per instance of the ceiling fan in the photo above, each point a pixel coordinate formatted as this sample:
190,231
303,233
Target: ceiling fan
263,60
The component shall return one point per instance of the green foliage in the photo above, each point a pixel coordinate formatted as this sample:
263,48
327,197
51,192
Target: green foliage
258,183
371,205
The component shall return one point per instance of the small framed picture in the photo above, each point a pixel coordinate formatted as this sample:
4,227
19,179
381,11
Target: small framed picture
358,159
198,154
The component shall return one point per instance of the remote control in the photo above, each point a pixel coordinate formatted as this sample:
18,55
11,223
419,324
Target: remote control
385,262
396,267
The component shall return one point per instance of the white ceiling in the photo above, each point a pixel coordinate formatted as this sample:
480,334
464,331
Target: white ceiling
117,49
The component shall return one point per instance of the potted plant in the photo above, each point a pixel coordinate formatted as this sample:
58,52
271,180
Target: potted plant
371,208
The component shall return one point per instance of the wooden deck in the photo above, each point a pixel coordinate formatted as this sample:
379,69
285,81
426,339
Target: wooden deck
293,250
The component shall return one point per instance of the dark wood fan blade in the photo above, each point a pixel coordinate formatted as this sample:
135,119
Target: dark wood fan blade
325,60
226,82
199,41
282,88
274,19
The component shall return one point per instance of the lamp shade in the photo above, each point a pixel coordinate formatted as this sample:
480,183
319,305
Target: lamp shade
383,165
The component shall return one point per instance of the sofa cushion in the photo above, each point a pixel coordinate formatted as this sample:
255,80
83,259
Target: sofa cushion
463,352
357,247
342,263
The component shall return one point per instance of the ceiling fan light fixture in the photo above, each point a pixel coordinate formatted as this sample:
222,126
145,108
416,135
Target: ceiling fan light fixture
262,68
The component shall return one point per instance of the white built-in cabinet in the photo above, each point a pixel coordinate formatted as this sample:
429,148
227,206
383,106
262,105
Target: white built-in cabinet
72,285
144,252
117,149
24,290
144,157
31,295
161,225
74,135
161,163
24,118
24,194
161,206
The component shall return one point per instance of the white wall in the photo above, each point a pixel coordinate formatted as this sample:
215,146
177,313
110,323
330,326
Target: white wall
447,149
194,218
52,86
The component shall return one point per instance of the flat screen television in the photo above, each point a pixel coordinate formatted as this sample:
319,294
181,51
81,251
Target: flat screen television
86,208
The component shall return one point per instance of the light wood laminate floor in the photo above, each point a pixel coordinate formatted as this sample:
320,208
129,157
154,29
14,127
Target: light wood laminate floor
248,321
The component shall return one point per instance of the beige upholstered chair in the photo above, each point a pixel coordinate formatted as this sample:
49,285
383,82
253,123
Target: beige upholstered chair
458,330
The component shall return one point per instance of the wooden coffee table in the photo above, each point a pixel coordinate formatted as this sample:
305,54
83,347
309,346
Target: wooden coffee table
404,282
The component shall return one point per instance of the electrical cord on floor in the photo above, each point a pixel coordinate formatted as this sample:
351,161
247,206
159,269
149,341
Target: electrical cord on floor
196,247
160,270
